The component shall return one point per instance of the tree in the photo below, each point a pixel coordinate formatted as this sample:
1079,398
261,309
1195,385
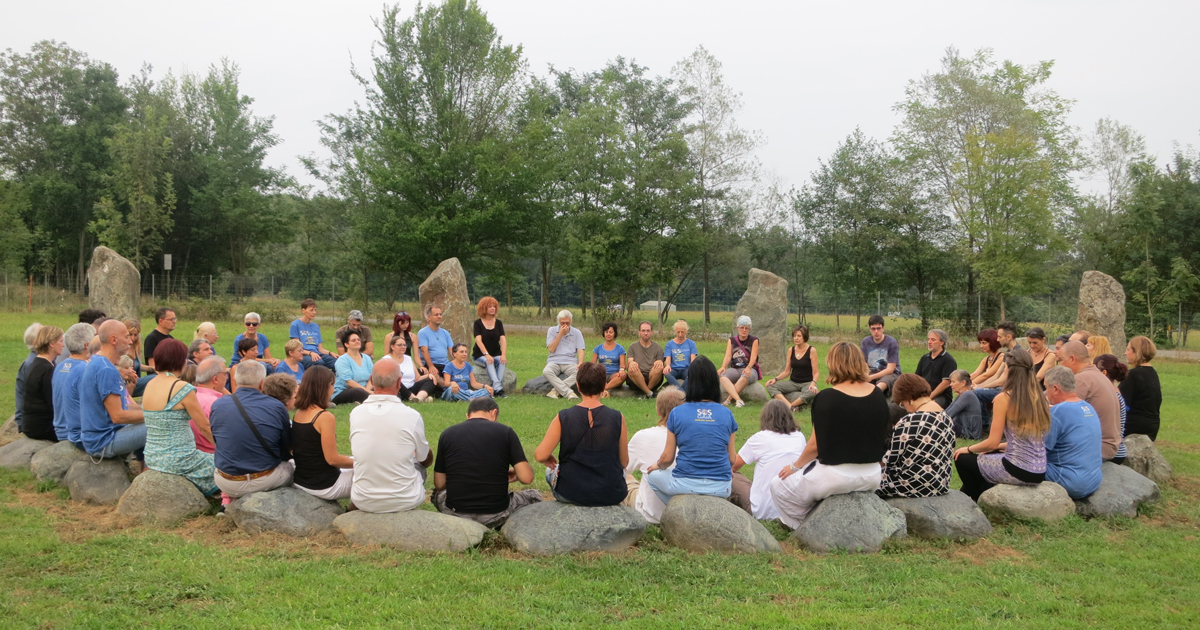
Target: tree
1113,152
915,245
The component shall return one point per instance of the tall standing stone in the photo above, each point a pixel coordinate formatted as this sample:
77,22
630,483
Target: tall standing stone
1102,308
115,286
765,301
446,288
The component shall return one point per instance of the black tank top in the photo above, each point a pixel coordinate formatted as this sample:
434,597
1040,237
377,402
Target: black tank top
802,367
589,458
312,471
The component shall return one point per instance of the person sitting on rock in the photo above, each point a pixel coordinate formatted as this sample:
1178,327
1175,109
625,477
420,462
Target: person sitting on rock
320,469
1092,386
701,434
247,349
919,460
171,409
740,368
490,350
679,354
777,443
1098,345
1020,420
111,424
253,322
849,439
593,447
1141,388
281,387
1043,357
1074,440
387,441
211,376
458,377
611,355
66,381
965,411
645,449
23,371
566,346
308,331
800,372
645,362
476,460
354,323
1116,372
253,436
936,366
882,353
38,421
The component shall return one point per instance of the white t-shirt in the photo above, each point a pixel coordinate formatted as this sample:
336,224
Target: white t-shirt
408,373
387,439
769,452
645,449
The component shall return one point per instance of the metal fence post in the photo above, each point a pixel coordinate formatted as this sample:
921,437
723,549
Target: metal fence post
153,289
210,296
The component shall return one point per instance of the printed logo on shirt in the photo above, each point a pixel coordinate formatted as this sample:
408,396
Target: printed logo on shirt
704,415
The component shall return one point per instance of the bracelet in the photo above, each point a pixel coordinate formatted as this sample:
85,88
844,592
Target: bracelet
969,450
793,467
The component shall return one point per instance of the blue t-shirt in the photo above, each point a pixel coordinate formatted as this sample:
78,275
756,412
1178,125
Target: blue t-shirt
460,376
100,380
66,400
610,359
74,420
348,370
309,334
702,433
878,355
679,355
283,368
1074,448
263,344
439,344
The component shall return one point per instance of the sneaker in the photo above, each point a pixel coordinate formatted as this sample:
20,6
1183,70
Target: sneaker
651,396
552,393
571,396
740,403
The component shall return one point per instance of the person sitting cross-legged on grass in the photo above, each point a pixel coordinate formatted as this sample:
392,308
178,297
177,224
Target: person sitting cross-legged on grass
391,454
740,368
353,371
253,436
645,448
800,372
644,365
679,354
611,355
320,470
476,460
704,433
566,345
458,377
593,447
308,331
920,457
777,443
965,411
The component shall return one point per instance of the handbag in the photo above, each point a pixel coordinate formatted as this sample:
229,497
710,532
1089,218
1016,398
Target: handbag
757,370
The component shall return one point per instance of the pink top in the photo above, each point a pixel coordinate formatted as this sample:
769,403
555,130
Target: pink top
206,397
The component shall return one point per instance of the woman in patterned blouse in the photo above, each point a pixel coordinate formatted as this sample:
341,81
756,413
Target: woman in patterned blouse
920,456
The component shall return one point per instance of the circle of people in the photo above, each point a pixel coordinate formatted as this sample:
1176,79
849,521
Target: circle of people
1041,413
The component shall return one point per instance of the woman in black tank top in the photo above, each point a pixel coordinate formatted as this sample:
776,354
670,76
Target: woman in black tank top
320,470
800,372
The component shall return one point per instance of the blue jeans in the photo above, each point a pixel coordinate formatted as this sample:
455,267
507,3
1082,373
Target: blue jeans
665,484
328,360
130,438
673,376
986,396
495,372
464,394
141,385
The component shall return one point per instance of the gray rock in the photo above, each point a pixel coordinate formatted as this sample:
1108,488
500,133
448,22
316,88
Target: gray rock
53,462
288,511
537,386
1047,501
510,379
552,527
415,530
765,301
625,391
102,483
1102,308
953,515
446,288
114,285
1120,493
1144,458
699,523
858,522
9,432
755,392
163,498
18,454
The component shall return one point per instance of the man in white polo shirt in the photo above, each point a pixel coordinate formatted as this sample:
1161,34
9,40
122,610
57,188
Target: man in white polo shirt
387,439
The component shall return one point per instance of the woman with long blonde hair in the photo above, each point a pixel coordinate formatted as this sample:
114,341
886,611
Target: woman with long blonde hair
1020,420
1098,345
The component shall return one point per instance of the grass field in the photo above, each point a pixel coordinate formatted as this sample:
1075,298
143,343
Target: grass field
63,565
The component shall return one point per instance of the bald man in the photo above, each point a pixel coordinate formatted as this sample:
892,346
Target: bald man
1093,387
111,422
391,454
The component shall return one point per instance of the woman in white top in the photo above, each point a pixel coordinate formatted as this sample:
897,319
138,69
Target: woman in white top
777,443
414,381
645,448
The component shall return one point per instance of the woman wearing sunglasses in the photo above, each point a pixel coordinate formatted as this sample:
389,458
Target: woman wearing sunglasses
253,322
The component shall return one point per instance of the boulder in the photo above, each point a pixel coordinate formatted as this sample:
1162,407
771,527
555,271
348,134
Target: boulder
1143,457
552,527
699,523
18,454
1047,501
415,530
953,515
1121,491
1102,308
53,462
755,392
9,432
102,483
538,386
114,285
288,511
446,288
161,497
765,301
510,379
857,522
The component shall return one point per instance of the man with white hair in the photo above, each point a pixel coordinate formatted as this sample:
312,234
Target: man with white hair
391,454
23,371
211,376
66,381
253,436
566,346
111,423
1073,444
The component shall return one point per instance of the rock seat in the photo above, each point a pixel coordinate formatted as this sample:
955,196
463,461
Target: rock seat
953,515
18,454
100,483
552,527
700,523
1145,459
288,511
857,522
414,530
53,462
1047,501
1120,493
158,497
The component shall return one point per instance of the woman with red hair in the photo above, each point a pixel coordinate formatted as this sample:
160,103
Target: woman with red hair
169,403
401,325
490,350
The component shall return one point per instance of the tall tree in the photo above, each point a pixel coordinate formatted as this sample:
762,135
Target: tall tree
1113,151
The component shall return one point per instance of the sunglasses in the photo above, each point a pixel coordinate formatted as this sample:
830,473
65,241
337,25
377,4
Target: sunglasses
252,324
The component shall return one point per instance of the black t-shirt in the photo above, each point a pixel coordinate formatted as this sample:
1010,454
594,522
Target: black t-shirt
934,371
850,429
491,338
475,456
1142,393
37,419
152,341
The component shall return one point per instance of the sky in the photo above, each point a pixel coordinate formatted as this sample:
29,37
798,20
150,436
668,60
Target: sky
809,73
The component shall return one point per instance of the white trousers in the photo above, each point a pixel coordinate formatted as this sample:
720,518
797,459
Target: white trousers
796,496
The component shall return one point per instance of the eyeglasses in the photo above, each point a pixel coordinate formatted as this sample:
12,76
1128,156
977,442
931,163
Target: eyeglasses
876,327
255,324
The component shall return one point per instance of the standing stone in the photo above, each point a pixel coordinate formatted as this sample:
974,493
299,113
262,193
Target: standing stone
765,301
101,484
446,288
857,522
159,497
9,432
18,455
553,527
1143,457
1102,308
290,511
53,462
114,284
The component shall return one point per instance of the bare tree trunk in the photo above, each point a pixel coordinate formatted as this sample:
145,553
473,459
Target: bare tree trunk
583,301
545,306
508,288
706,291
79,270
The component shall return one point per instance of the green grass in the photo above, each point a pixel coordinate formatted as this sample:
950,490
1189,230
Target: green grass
64,566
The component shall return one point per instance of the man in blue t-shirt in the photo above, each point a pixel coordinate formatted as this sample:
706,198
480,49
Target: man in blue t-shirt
434,343
308,331
66,377
679,353
111,422
1074,444
882,353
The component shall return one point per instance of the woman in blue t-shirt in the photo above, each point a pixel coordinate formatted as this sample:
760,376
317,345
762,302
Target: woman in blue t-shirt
679,353
611,355
704,431
458,377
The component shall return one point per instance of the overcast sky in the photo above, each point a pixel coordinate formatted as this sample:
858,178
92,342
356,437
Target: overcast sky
809,72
